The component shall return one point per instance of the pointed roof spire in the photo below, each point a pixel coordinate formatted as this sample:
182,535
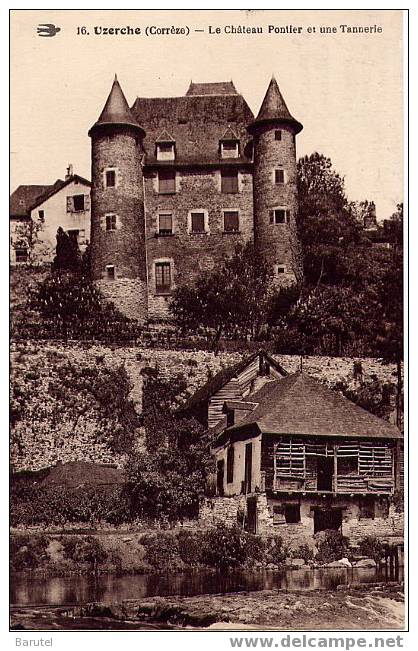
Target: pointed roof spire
116,111
274,109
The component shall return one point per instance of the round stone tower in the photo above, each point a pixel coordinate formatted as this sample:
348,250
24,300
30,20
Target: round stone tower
275,190
118,259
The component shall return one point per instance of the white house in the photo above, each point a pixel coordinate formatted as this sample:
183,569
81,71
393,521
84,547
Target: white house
37,211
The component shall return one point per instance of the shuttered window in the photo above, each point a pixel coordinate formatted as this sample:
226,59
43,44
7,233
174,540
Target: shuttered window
165,224
162,277
198,222
78,200
229,181
231,221
166,181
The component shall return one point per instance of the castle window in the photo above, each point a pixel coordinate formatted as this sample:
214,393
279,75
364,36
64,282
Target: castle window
279,176
278,134
231,221
280,269
111,222
229,181
41,215
110,177
110,272
198,221
166,181
230,465
165,223
162,277
230,149
21,255
279,216
165,151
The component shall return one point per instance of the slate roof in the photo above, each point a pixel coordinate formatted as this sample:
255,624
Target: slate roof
116,110
33,195
196,122
24,197
224,376
212,88
274,109
301,406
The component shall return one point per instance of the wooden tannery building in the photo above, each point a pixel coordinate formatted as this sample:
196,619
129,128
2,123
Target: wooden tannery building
296,457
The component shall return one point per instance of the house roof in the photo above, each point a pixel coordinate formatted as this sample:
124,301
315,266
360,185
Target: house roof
27,197
274,109
224,376
197,123
301,406
24,197
212,88
116,111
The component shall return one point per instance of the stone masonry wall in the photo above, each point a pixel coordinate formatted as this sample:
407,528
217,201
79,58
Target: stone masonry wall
197,367
193,253
225,510
277,243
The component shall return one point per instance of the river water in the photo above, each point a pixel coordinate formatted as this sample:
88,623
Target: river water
109,588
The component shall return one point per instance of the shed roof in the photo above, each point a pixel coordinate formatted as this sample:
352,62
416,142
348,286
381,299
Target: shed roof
301,406
224,376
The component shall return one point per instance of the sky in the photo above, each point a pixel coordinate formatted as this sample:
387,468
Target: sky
346,89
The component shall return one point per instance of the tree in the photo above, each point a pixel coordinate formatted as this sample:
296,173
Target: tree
326,222
167,479
235,300
68,255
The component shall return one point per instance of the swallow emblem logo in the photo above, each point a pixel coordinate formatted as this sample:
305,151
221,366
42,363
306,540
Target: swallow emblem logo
47,29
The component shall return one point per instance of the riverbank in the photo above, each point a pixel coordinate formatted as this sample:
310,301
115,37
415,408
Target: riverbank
361,608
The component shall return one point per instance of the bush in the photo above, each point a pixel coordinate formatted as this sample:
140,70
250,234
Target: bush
303,551
276,552
190,547
225,547
32,505
85,549
27,552
162,550
372,548
332,546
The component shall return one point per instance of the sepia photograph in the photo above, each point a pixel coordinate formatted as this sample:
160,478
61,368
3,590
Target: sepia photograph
206,240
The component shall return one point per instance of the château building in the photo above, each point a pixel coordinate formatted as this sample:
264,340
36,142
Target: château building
178,182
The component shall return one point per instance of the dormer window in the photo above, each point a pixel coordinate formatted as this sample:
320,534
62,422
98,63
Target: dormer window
165,147
165,151
229,144
230,149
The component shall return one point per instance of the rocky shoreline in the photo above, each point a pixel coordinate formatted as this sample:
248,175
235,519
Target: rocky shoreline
363,607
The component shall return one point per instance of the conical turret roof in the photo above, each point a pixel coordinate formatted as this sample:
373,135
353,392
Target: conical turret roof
116,111
274,109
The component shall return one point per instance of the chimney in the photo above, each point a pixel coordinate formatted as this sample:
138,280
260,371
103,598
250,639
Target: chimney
69,172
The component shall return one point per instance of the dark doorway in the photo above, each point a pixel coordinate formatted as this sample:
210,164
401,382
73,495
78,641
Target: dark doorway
327,519
251,515
220,471
248,466
325,469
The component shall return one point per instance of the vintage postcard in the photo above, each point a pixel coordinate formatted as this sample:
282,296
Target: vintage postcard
207,298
